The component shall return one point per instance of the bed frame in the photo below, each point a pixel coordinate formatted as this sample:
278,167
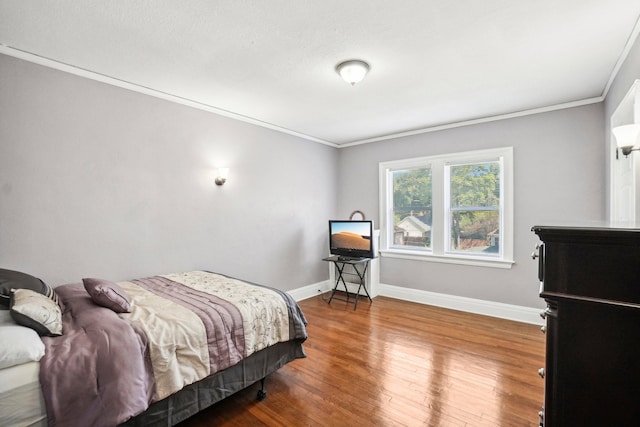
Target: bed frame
204,393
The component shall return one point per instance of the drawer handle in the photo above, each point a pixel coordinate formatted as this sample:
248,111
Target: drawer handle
536,253
541,372
543,329
548,312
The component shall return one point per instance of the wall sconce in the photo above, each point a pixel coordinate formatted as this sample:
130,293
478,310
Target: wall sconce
627,136
221,178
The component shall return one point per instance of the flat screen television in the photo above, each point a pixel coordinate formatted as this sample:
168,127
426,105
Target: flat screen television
351,239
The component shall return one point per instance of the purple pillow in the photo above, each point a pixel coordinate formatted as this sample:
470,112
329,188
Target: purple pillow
107,294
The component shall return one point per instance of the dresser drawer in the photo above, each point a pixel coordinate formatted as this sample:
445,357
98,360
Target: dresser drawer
606,268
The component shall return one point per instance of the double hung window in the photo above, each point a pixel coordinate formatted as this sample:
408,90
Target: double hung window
449,208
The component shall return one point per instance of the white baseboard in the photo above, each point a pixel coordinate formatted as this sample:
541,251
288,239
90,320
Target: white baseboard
310,290
470,305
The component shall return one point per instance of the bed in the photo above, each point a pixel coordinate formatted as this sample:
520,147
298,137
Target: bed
150,351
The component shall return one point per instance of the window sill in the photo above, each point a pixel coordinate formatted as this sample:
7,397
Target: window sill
448,259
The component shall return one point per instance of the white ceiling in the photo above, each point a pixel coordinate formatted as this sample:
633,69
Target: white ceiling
433,62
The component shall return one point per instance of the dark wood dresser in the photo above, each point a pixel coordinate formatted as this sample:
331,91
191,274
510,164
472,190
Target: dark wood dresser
590,279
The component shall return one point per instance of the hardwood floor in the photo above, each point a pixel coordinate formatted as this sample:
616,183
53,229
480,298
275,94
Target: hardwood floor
395,363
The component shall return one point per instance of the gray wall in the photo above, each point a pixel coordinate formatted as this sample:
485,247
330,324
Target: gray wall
100,181
97,180
558,178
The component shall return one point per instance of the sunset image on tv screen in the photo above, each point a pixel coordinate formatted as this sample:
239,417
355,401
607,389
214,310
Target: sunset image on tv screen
349,240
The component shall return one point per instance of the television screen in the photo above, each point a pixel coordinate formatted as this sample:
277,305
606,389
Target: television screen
351,239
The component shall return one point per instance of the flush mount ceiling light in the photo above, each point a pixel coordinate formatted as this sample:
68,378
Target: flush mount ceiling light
352,71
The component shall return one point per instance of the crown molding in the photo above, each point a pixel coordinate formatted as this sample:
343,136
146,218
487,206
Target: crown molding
81,72
47,62
478,121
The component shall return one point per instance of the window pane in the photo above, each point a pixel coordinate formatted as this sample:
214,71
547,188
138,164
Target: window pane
474,207
475,185
412,208
475,231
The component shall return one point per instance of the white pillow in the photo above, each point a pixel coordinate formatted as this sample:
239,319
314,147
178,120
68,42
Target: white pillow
18,344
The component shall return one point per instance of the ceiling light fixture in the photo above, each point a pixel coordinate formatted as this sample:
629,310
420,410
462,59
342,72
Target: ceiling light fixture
352,71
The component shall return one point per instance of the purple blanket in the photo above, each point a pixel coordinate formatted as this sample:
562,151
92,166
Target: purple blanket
79,373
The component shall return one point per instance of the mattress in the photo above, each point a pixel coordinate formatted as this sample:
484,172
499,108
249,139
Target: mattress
21,402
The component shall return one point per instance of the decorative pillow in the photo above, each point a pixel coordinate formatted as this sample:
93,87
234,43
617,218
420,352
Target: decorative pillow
22,344
10,279
107,294
36,311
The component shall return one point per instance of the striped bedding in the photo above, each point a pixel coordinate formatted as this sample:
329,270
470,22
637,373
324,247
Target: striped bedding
183,327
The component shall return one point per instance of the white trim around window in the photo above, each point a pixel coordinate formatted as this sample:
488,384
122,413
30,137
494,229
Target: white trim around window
439,250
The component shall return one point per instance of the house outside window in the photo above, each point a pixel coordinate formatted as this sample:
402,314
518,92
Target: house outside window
411,190
455,208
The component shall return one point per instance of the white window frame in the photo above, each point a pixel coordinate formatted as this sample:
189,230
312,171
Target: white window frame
440,234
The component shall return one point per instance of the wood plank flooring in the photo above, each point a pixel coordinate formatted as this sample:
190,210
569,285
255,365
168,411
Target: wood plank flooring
395,363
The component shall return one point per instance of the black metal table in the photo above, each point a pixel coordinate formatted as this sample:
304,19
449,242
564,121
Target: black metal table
340,263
